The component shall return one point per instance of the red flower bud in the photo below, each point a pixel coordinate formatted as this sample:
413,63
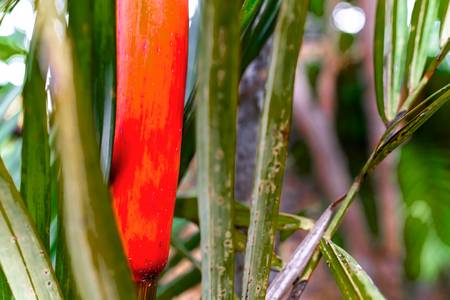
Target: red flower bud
152,41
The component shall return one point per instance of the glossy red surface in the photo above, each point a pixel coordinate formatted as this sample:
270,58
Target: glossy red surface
152,42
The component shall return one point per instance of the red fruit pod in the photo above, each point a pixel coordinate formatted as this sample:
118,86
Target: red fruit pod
152,43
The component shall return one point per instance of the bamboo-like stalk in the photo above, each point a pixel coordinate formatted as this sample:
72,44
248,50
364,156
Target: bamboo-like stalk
218,70
272,147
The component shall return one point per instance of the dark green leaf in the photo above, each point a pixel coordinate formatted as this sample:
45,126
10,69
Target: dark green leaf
396,57
249,11
35,177
5,291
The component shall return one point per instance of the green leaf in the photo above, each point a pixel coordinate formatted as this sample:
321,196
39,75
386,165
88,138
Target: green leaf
422,23
8,93
5,291
8,126
218,71
413,97
396,57
444,17
249,11
423,177
378,56
11,45
22,256
179,285
104,77
261,30
351,279
254,38
272,147
97,258
187,208
35,177
190,244
414,120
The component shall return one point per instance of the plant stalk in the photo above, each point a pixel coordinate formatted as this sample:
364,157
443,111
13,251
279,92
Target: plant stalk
146,290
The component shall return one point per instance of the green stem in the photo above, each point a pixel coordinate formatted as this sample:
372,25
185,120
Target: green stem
218,70
272,147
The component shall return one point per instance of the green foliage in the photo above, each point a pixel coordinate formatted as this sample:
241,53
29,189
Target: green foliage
11,45
35,177
82,218
424,173
353,282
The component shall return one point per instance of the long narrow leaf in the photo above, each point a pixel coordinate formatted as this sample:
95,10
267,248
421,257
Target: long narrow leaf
422,23
378,56
187,208
5,291
35,178
272,147
353,282
249,11
104,77
97,258
396,58
444,18
22,256
216,144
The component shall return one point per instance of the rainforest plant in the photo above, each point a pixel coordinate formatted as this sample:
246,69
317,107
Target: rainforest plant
110,130
151,35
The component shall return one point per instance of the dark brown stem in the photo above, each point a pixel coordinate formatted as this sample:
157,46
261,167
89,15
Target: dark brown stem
147,289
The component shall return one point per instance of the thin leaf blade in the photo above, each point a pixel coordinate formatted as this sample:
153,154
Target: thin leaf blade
35,177
353,282
378,57
396,59
22,257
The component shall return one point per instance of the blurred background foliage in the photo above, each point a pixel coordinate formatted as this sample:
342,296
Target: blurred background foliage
333,63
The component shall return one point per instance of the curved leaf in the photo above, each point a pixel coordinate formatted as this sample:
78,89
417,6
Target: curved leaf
378,56
22,257
422,23
353,282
